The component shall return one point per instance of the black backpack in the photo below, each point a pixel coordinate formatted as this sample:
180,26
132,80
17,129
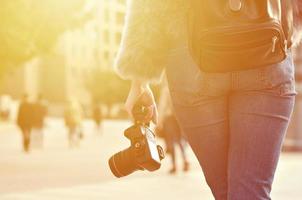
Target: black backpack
233,35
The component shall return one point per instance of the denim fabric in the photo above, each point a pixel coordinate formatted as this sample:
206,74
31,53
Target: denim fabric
235,122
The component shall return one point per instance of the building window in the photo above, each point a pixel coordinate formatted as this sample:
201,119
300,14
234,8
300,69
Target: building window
118,37
106,55
120,18
106,15
106,36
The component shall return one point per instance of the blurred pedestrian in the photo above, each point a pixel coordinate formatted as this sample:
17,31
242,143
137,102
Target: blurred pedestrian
97,116
39,114
24,121
170,130
73,121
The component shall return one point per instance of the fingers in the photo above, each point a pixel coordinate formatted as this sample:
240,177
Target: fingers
129,107
134,95
147,100
144,98
151,114
148,114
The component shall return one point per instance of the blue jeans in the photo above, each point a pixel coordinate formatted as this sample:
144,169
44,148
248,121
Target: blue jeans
235,122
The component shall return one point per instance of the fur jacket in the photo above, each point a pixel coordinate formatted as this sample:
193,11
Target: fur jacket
152,29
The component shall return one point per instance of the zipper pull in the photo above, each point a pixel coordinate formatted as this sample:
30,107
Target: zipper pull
274,41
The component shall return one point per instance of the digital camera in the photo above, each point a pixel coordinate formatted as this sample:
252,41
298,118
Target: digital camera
143,154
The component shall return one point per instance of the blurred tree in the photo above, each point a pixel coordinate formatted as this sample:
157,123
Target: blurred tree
106,87
31,27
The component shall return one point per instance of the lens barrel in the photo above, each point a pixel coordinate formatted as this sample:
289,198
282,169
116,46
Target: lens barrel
123,163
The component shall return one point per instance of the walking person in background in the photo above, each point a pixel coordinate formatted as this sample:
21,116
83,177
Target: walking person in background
231,76
97,117
39,115
170,130
25,121
73,121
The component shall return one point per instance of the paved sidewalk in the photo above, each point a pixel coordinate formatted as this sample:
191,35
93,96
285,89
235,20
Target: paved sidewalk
58,173
190,186
164,187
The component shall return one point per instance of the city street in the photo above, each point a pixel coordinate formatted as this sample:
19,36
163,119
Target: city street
60,173
223,65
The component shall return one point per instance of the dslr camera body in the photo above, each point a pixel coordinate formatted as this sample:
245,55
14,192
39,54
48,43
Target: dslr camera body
143,154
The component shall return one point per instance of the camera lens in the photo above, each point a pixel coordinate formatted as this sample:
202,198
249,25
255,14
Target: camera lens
123,163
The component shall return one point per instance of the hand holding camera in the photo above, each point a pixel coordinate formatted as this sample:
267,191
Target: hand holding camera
140,93
143,153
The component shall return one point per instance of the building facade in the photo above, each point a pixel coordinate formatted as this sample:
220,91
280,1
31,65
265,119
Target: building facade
94,45
62,74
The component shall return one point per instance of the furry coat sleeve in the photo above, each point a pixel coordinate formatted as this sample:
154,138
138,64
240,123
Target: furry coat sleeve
147,38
